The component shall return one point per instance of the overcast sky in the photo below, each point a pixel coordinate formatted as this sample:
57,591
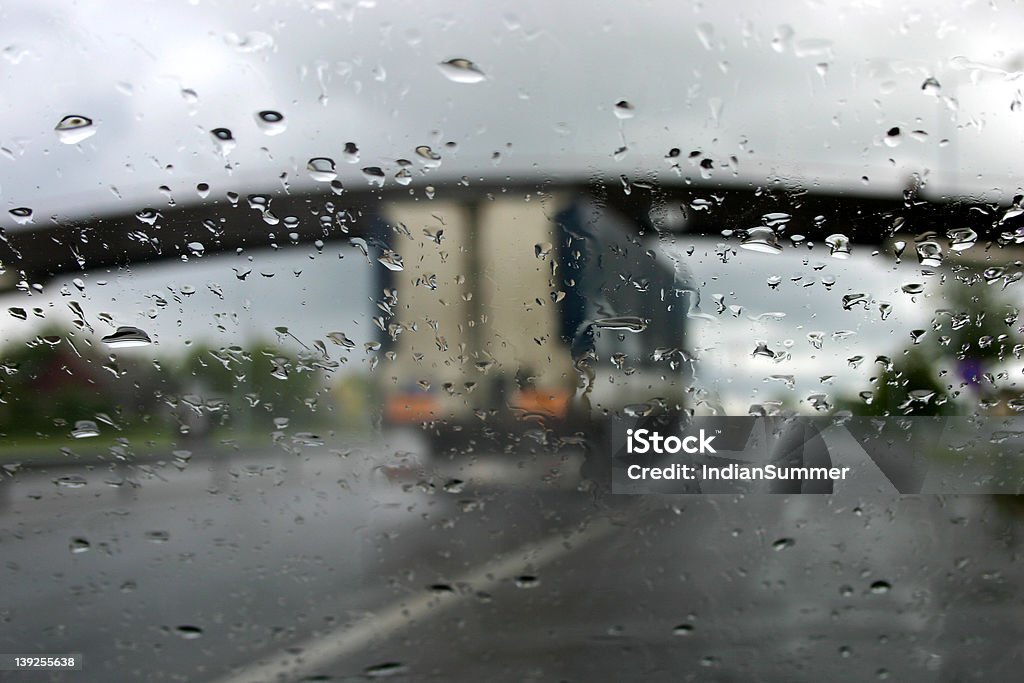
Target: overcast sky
800,90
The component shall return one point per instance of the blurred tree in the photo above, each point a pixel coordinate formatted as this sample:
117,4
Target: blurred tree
950,369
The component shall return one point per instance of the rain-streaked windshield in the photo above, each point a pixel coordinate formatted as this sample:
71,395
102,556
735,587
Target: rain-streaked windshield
527,342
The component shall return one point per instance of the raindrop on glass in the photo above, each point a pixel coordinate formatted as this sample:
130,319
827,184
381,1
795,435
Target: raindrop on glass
85,429
148,216
271,122
527,581
391,260
321,169
624,110
762,240
839,246
225,140
189,632
374,175
127,337
929,254
21,215
931,86
783,543
962,239
623,323
461,71
350,153
74,128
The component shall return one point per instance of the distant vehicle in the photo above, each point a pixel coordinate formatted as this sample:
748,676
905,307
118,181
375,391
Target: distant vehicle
501,312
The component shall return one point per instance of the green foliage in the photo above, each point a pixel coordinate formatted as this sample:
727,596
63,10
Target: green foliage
51,381
970,337
59,377
256,384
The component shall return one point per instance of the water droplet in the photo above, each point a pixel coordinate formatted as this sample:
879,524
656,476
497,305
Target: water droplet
455,486
929,254
74,128
851,300
761,350
880,587
70,481
761,240
189,632
931,86
542,250
892,137
403,177
461,71
638,409
374,175
839,245
203,190
21,215
157,536
682,630
79,545
321,169
225,140
776,219
912,288
816,339
148,216
385,669
783,543
350,153
18,312
961,239
271,122
624,323
340,339
431,159
624,110
391,260
85,429
527,581
127,337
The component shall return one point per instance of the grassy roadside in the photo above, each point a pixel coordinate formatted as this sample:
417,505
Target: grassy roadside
113,445
140,445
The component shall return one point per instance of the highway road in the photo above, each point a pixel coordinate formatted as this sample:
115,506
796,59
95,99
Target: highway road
362,558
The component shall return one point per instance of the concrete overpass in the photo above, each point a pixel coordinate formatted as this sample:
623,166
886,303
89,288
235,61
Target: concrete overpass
42,250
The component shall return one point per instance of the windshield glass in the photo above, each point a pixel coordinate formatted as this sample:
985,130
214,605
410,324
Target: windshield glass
566,341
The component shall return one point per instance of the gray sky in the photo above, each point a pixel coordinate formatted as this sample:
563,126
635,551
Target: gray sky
804,91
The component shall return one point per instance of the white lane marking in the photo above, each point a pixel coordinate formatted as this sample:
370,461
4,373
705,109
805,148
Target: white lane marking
324,650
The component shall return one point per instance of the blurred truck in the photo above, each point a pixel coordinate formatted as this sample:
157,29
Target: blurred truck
538,316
